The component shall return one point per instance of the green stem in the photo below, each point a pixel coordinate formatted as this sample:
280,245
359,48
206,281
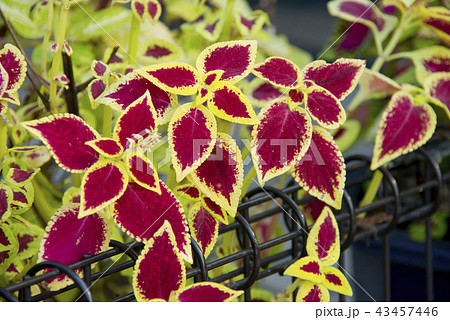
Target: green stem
226,30
48,186
134,39
48,34
43,209
223,125
402,25
171,178
56,64
371,192
248,181
76,179
107,121
378,176
3,139
289,290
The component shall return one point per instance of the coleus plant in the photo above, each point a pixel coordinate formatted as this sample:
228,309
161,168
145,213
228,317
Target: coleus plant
113,178
315,272
408,121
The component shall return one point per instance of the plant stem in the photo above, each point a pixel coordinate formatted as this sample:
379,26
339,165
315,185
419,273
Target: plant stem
43,181
76,179
43,209
391,44
226,31
378,176
3,139
56,64
371,192
289,290
171,178
134,39
107,121
223,125
248,181
48,34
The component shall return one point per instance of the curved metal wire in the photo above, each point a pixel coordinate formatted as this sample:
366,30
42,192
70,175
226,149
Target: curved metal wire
64,270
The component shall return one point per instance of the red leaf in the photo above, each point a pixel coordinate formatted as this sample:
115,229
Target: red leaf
192,135
188,191
65,136
67,239
133,86
324,107
160,269
214,209
220,176
323,241
229,103
404,127
141,212
102,184
436,86
279,71
175,77
207,292
321,171
281,136
235,58
137,123
107,147
312,292
13,61
143,172
204,228
340,78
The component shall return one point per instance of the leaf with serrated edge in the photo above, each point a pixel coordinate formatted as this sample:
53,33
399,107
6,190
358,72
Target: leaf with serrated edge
229,103
175,77
312,292
207,292
376,85
428,60
336,281
13,61
323,240
364,12
214,209
137,123
280,72
141,212
95,90
279,127
67,239
321,171
103,183
20,177
143,172
192,135
204,227
404,127
307,268
340,77
235,58
437,86
125,91
188,191
220,176
160,268
324,107
107,147
65,136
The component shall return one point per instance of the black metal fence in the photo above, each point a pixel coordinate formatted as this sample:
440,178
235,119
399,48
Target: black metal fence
399,202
